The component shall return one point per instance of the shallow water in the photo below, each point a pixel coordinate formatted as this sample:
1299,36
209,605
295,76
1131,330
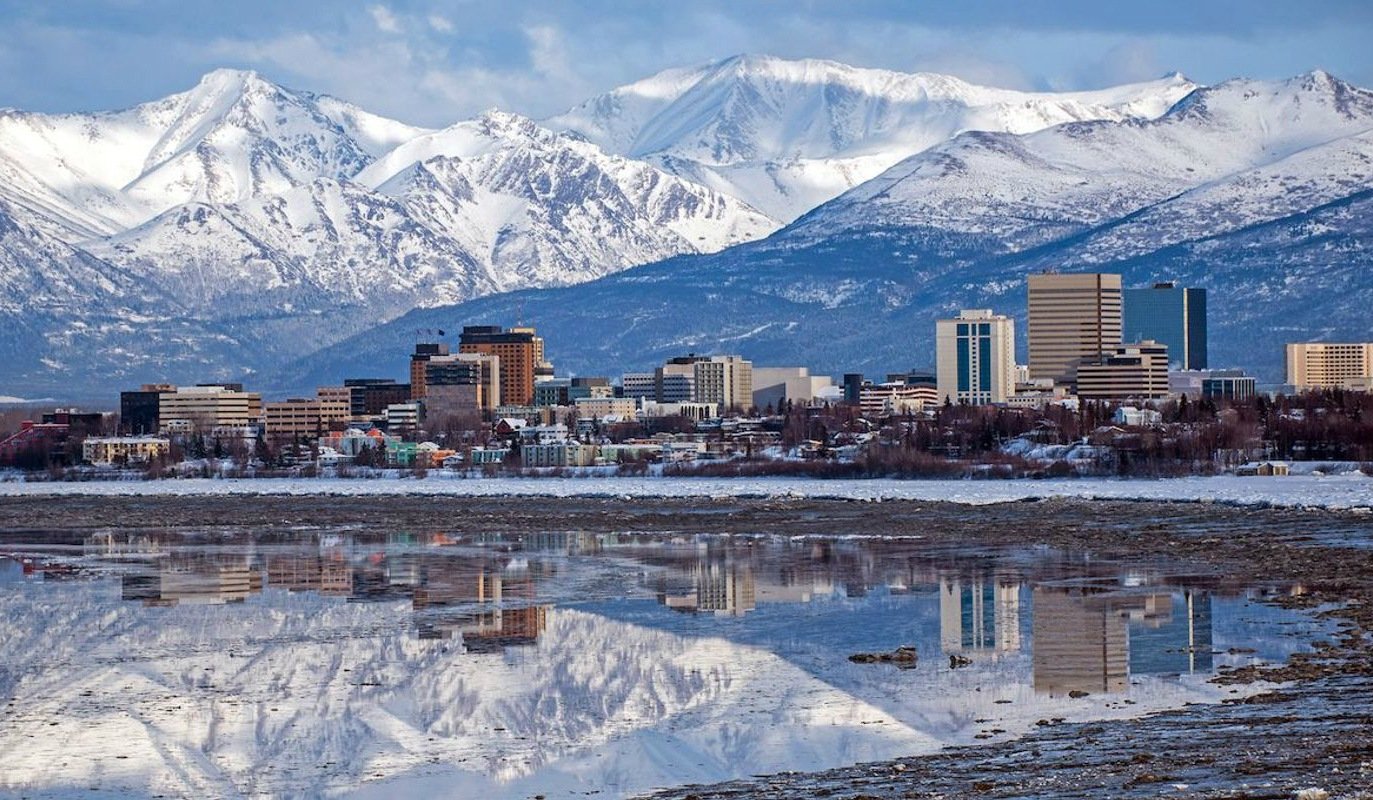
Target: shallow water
565,664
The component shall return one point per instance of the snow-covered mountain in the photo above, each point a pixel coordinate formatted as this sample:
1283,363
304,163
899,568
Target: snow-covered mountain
1262,192
786,136
257,208
234,136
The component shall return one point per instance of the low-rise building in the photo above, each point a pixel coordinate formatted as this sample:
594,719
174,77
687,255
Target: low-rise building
1228,385
775,386
1130,416
559,454
692,411
103,450
894,398
403,417
602,407
1132,371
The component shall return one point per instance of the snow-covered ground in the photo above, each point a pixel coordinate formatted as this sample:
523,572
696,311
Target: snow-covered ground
1346,491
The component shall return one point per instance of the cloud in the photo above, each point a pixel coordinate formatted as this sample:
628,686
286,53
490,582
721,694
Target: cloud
433,62
385,19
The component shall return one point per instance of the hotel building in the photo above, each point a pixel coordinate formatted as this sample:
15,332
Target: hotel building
975,355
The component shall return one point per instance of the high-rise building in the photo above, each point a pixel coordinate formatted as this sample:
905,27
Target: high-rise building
975,356
371,396
462,382
1072,319
1131,371
208,406
419,362
1328,365
521,354
853,387
639,385
138,410
1171,315
724,380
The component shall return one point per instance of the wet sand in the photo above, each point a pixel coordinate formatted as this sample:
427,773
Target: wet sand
1316,731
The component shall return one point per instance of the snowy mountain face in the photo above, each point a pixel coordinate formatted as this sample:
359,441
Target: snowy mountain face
234,229
1260,192
786,136
304,219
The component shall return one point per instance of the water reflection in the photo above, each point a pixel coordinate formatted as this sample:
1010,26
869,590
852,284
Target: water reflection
513,665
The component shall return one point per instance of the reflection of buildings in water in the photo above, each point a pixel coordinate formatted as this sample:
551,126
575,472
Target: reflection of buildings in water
1094,641
491,630
464,581
979,616
1171,635
1078,645
117,544
329,574
723,588
201,581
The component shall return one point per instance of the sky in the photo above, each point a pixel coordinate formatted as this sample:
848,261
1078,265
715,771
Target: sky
433,63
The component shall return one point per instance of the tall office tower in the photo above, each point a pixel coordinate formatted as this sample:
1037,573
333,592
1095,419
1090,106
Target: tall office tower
521,354
1168,314
1073,318
419,360
1328,365
975,357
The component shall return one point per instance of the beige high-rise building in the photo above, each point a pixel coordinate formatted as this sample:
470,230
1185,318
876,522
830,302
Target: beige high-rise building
1328,365
975,356
726,380
202,408
1073,318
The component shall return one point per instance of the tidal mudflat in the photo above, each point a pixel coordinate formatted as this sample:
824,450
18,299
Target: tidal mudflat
498,647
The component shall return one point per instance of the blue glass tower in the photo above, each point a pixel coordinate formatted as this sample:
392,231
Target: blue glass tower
1171,315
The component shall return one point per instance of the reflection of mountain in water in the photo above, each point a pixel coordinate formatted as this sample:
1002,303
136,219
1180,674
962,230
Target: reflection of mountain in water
456,677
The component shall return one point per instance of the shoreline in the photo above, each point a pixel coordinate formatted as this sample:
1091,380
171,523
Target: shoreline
1349,492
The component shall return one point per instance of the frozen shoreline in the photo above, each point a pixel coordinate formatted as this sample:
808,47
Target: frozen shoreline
1351,491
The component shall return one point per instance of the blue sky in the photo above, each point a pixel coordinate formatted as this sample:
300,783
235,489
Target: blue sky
436,62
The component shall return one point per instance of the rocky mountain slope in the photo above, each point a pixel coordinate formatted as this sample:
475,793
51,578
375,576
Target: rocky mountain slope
786,136
1260,192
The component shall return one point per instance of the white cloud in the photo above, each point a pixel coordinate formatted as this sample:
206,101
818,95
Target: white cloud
385,19
440,23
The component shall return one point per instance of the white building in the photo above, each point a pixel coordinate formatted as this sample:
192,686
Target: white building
774,386
975,355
